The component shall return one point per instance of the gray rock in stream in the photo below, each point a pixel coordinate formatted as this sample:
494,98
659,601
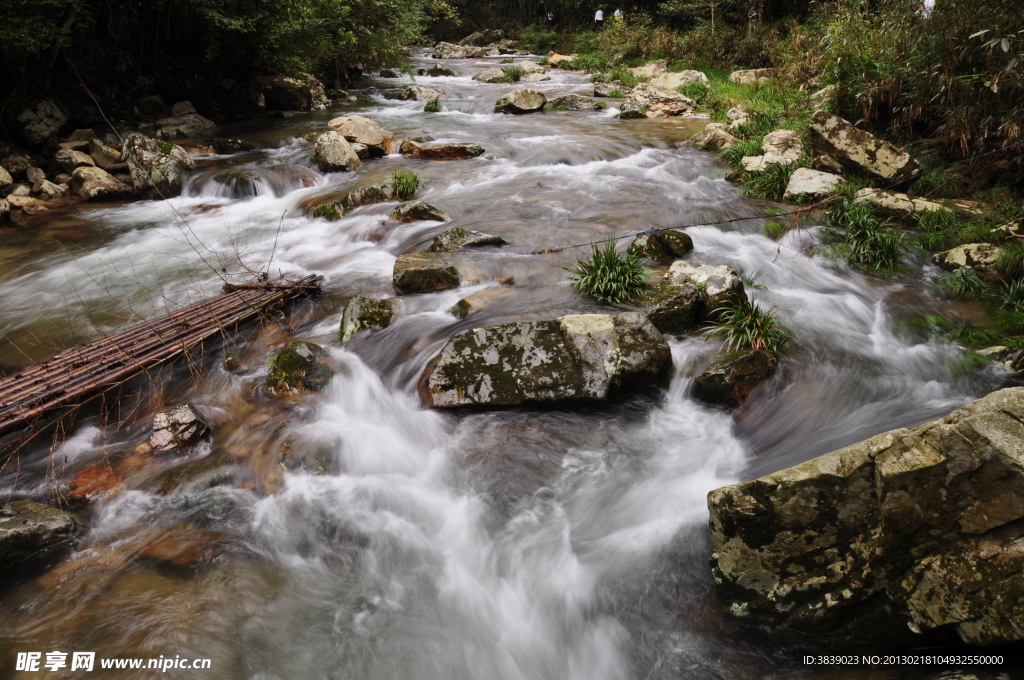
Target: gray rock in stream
333,153
28,529
158,169
459,238
731,379
365,312
910,531
424,273
520,101
575,358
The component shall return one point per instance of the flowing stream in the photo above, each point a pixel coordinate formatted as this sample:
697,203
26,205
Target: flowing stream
355,534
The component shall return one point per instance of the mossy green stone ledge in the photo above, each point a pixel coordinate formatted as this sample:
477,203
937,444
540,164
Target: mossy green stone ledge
884,541
575,358
300,367
365,312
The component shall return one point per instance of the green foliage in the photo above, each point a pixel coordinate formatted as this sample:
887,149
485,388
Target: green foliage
326,210
508,60
433,106
963,283
698,92
1010,262
863,238
404,184
608,276
775,229
744,325
746,147
771,182
512,75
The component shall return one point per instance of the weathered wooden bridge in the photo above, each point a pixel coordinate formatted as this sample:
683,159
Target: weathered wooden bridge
75,375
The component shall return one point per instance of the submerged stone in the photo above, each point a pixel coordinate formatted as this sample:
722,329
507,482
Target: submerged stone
301,367
424,273
731,379
662,245
581,357
365,312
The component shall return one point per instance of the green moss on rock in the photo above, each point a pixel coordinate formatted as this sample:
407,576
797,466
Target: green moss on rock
26,528
365,312
302,366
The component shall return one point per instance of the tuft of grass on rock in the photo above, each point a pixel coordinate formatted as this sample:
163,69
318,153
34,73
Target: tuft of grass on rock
609,276
433,106
745,326
863,238
326,210
404,184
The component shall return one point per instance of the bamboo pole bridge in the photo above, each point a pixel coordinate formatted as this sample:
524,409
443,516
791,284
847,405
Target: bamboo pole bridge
83,371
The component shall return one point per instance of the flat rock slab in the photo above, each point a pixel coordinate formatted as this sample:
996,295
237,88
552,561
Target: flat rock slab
520,101
722,285
913,530
26,528
807,183
440,151
576,358
840,147
424,273
648,101
903,206
459,238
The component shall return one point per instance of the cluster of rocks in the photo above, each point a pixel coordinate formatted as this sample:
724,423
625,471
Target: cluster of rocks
284,93
533,72
479,44
913,531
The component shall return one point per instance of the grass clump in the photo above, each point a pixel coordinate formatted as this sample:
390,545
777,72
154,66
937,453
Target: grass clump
863,238
962,283
512,75
775,229
404,184
1010,262
771,182
745,326
508,60
745,147
608,276
433,106
326,210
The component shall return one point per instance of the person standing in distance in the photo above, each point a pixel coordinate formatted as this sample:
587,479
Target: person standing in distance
618,14
598,20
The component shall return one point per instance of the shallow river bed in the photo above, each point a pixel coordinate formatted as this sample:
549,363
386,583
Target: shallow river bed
355,534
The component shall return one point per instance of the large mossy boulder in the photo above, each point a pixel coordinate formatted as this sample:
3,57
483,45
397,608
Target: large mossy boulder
283,93
300,367
575,102
158,169
28,529
730,379
520,101
424,273
913,530
840,147
490,75
365,312
662,245
674,310
459,238
576,358
649,101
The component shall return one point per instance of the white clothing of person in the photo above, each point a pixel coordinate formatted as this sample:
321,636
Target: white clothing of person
929,7
599,16
618,13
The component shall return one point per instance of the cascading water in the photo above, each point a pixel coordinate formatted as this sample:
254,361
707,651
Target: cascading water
521,544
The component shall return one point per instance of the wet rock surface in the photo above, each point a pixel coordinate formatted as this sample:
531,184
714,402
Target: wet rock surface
662,245
27,528
424,273
580,357
362,130
441,151
721,285
158,169
177,428
332,153
731,379
300,367
458,238
365,312
520,101
415,211
907,532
